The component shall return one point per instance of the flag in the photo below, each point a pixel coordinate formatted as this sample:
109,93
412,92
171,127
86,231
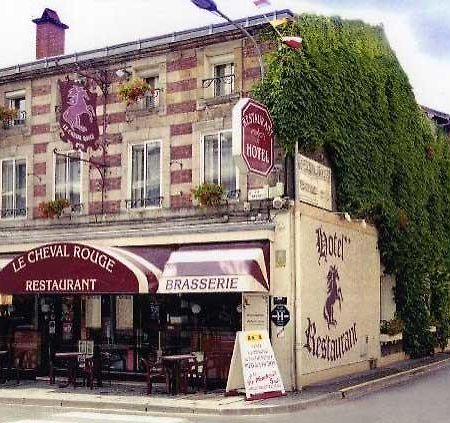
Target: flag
261,3
292,42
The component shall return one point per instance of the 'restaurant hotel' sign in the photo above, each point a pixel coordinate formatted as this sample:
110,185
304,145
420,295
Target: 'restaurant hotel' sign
253,137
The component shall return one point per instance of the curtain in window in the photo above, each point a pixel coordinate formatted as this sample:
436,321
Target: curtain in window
7,186
60,177
21,180
74,180
137,175
211,159
228,169
153,185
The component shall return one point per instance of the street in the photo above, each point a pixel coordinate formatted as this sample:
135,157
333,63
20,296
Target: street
423,400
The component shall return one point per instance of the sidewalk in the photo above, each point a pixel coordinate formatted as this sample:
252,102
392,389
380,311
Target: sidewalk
132,396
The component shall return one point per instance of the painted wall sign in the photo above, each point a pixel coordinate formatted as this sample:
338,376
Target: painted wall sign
253,137
340,295
254,367
313,182
78,118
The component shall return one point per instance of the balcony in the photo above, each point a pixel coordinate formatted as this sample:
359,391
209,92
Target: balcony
149,104
19,120
142,203
18,213
219,90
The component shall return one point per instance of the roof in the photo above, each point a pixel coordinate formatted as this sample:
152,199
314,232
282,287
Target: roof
442,119
50,16
135,47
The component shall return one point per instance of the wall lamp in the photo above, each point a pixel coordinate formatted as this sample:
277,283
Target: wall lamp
123,73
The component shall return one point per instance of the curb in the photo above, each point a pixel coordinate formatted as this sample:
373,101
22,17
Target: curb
391,380
251,410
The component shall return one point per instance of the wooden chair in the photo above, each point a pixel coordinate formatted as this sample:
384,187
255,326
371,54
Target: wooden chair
153,372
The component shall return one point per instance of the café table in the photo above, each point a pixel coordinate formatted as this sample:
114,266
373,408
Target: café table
71,358
173,364
3,356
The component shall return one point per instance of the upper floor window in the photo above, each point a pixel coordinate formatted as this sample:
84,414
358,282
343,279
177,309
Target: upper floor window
145,175
16,101
68,179
223,79
218,163
153,96
13,184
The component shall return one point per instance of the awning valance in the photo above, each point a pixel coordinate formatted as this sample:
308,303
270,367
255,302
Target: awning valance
215,270
63,268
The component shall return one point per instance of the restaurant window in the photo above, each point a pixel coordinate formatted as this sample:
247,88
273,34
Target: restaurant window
16,101
13,184
68,179
218,163
146,175
223,79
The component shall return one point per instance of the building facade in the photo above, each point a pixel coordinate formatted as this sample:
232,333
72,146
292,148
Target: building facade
132,261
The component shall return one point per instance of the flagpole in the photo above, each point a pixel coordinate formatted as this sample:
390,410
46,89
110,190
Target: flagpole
248,35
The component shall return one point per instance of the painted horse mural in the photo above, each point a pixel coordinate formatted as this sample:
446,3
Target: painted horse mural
334,293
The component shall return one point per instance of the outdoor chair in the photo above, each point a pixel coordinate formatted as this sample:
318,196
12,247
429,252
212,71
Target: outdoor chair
154,371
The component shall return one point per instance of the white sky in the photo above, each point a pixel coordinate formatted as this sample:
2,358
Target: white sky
418,30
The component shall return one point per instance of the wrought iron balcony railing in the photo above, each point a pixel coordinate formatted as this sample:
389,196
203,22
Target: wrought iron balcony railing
13,213
140,203
222,85
17,121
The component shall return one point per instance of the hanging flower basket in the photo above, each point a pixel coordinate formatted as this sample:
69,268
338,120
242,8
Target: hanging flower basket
54,208
7,114
133,90
208,195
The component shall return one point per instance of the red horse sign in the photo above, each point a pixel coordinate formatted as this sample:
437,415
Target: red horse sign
253,137
78,119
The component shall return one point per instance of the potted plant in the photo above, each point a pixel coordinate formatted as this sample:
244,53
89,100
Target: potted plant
50,209
208,194
391,330
7,114
133,90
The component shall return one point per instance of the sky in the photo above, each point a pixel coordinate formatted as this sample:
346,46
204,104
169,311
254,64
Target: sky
418,30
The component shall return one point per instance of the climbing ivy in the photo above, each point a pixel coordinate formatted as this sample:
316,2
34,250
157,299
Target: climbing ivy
345,93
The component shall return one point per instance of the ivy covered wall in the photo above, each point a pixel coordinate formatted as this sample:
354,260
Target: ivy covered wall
344,92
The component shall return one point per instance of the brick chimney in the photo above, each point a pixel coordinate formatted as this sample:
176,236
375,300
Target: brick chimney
49,35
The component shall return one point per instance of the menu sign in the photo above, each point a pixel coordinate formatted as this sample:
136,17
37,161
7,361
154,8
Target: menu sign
254,367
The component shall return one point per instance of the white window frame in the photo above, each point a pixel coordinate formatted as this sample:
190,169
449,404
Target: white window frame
219,157
156,100
14,159
228,88
130,172
68,153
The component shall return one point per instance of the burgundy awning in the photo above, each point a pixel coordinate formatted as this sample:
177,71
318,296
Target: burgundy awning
63,268
239,269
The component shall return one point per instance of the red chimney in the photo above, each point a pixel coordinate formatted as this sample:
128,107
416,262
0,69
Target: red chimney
49,35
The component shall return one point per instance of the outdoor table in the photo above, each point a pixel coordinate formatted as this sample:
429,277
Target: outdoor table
172,365
3,355
71,358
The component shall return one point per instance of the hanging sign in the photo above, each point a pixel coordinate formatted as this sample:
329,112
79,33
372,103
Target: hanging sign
254,368
78,118
253,137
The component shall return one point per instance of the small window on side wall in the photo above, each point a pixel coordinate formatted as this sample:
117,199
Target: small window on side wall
68,179
152,97
13,178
